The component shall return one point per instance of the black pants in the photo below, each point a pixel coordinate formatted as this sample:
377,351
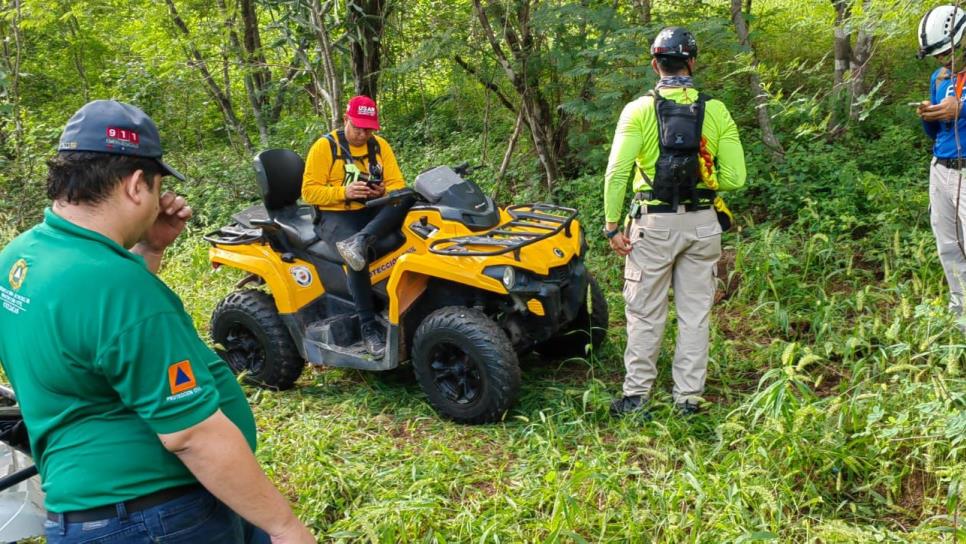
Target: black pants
377,223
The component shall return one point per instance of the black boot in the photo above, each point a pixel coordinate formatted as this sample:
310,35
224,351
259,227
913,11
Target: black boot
372,337
634,404
686,409
354,250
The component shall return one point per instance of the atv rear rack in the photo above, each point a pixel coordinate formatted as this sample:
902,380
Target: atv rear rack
531,223
234,235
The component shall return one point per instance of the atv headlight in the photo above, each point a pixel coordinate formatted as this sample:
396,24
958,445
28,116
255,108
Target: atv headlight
509,277
506,275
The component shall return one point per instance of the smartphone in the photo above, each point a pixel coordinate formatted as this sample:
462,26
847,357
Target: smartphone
914,104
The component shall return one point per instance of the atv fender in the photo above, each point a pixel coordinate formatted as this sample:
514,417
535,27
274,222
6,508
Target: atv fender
293,285
409,279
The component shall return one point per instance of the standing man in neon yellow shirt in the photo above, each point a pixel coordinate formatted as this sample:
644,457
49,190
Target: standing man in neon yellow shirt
679,147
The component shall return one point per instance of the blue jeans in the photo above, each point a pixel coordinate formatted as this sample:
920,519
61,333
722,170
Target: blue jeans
192,518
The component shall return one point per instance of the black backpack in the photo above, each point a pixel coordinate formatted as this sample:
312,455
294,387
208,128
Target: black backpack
677,171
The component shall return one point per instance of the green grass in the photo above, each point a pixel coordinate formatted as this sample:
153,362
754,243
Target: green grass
835,415
835,398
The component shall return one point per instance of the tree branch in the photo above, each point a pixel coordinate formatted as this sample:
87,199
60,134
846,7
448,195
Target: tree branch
216,92
488,84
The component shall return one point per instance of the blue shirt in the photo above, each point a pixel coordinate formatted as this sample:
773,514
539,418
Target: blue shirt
942,131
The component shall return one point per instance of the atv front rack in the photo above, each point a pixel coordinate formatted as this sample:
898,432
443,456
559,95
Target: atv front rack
531,223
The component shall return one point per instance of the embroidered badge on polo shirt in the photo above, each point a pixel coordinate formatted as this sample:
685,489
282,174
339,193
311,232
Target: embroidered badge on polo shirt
12,301
181,379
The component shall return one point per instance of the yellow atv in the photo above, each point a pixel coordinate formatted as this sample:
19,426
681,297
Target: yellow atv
462,289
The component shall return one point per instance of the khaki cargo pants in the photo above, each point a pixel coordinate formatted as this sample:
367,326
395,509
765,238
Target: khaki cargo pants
943,183
679,250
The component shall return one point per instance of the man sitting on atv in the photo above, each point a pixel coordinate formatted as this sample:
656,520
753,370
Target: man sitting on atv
343,170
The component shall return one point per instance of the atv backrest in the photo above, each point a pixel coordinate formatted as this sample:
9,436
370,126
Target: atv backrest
279,176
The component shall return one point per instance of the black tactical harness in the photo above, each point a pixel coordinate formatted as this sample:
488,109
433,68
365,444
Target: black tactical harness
678,169
341,152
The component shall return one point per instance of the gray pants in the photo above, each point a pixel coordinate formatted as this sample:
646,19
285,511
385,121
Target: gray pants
679,250
943,183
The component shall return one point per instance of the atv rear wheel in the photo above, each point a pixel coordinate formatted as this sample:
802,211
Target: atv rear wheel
466,365
254,340
572,340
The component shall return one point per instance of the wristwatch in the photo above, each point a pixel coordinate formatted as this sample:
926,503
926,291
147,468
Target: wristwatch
611,233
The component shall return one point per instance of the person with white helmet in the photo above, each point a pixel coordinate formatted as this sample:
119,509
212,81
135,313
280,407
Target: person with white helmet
940,36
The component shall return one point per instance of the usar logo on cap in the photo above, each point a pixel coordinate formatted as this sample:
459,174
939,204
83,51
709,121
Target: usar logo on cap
367,111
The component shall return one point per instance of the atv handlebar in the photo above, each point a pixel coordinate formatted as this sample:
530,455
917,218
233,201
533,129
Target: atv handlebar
464,169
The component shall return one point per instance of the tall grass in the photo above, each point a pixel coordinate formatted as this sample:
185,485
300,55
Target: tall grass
835,402
835,414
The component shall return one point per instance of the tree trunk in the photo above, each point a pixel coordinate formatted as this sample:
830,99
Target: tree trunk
221,97
254,94
843,39
73,27
644,11
366,21
761,98
535,109
332,89
859,61
275,113
509,148
254,56
842,49
13,61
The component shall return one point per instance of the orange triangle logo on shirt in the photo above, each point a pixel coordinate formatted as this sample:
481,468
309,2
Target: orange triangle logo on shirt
181,377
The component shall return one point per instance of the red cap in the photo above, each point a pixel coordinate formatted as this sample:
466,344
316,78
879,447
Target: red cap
363,113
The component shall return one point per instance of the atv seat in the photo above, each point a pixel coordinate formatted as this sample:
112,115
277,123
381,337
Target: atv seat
325,250
279,176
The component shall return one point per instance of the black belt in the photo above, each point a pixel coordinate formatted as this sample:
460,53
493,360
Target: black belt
669,208
955,164
134,505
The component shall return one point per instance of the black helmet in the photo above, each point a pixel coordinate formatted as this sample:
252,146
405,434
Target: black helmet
675,42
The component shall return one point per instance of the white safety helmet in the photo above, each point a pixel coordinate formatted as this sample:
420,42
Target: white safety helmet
940,30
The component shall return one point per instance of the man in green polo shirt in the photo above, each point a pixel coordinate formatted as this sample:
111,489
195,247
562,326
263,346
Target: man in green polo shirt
679,147
139,430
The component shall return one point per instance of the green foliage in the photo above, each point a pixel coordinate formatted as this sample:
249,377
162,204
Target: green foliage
836,407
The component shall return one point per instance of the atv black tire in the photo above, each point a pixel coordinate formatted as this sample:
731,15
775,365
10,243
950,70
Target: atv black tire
572,340
250,336
466,365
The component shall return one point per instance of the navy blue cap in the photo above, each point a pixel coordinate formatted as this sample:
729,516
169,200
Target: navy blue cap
109,126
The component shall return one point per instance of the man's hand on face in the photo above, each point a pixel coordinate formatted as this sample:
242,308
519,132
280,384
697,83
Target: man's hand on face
173,214
943,111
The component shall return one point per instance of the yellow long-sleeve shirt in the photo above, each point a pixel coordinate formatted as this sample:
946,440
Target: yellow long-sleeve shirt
323,180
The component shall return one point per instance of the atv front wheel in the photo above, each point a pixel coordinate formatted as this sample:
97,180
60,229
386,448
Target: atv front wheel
466,365
250,336
572,339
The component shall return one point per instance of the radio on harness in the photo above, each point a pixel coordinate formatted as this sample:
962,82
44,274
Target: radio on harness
341,152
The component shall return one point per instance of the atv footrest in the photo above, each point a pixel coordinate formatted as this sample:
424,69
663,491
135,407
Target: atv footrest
339,330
